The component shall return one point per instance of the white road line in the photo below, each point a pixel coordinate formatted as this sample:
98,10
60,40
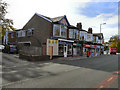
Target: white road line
10,72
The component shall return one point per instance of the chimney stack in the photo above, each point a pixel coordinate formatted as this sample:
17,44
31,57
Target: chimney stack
79,26
90,30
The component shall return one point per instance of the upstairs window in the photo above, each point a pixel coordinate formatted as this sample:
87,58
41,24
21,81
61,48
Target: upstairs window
91,37
19,34
29,32
59,30
82,35
76,34
63,31
96,39
85,36
56,30
23,33
71,33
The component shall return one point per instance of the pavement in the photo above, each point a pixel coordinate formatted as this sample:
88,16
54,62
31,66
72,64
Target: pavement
77,72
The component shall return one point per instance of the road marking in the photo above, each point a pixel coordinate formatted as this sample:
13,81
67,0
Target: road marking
9,72
107,82
110,79
101,86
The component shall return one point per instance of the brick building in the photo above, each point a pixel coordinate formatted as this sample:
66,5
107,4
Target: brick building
45,32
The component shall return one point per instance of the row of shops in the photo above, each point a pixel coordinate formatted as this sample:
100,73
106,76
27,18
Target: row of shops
66,48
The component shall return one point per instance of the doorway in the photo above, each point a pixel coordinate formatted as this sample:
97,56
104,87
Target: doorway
65,51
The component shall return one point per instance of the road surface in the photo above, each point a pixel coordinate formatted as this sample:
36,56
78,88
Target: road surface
95,72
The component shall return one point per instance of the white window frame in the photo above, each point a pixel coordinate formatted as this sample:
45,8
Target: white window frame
19,34
60,31
29,32
73,36
23,33
54,30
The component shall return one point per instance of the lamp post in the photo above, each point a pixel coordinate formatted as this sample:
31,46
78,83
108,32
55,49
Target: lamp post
100,35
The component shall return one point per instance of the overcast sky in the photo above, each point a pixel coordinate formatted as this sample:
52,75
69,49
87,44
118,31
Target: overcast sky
90,12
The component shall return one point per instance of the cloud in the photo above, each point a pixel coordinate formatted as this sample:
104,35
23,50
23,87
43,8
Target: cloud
95,8
22,10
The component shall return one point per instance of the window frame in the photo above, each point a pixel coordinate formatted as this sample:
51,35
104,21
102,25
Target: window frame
60,30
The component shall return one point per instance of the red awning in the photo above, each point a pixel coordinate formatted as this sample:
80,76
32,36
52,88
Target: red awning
87,46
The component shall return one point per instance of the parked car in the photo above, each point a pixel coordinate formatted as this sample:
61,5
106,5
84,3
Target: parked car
112,50
2,48
10,49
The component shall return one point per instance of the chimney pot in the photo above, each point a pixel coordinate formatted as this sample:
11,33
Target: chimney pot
79,26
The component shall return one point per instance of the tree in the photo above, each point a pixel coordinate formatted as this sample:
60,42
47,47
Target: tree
115,42
3,11
106,47
5,24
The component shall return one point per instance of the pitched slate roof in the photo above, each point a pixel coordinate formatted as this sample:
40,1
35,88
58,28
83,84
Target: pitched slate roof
73,27
98,34
56,19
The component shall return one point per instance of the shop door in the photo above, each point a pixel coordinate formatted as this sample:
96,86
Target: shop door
65,51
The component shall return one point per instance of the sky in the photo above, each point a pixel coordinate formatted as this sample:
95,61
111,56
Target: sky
91,13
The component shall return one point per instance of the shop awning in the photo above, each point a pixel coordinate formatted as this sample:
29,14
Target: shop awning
93,46
85,45
77,44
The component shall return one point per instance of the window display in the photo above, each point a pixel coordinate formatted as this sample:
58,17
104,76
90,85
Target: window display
61,49
69,52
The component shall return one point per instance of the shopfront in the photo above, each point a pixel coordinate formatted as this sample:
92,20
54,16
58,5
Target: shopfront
77,49
86,47
93,50
61,47
65,48
97,50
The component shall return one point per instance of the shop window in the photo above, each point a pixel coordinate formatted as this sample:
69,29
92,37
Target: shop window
61,49
69,52
78,50
74,50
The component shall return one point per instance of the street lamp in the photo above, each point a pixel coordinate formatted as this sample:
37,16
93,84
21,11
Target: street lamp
100,35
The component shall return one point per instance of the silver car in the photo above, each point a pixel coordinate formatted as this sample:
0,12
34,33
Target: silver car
2,48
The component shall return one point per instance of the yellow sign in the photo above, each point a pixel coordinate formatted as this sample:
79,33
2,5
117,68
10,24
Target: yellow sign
56,41
52,41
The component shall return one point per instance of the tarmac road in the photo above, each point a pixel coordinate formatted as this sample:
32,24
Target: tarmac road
95,72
